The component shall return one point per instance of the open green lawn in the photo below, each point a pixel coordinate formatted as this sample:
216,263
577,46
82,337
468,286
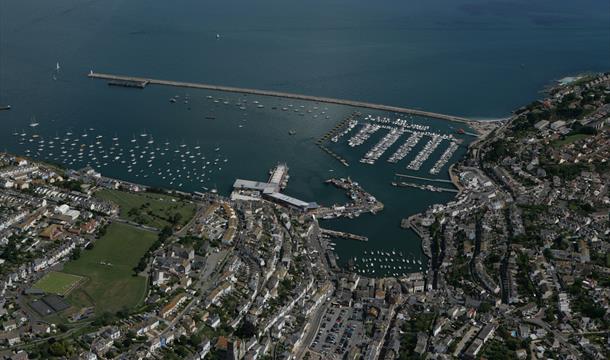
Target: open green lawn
58,283
111,285
149,208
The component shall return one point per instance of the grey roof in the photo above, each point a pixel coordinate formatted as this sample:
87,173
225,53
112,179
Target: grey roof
253,185
288,199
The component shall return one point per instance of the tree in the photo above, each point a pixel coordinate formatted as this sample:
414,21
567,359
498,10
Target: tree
246,330
75,254
176,218
57,349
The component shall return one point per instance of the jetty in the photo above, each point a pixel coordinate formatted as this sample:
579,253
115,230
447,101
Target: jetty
424,187
422,178
344,235
360,104
128,83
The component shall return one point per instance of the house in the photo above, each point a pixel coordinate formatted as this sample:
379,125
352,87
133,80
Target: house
557,124
20,355
9,325
10,338
154,345
88,356
213,321
101,345
89,226
487,332
112,333
6,183
203,349
52,232
172,306
541,124
146,326
40,329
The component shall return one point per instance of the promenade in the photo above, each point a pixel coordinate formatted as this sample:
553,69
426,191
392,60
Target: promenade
361,104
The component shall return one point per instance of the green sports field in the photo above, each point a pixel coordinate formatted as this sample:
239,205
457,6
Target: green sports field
111,285
58,283
150,209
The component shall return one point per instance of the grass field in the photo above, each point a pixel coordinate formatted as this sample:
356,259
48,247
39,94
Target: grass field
58,283
149,208
111,285
569,139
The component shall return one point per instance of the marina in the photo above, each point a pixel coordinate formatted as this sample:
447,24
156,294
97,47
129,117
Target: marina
380,148
425,153
442,161
406,148
393,129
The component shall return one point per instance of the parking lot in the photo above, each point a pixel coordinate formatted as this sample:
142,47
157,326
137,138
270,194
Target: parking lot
338,332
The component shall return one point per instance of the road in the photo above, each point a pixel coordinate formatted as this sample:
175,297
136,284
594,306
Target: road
314,326
207,278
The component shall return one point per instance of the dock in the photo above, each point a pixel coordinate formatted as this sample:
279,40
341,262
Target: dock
279,176
422,178
343,235
328,100
334,154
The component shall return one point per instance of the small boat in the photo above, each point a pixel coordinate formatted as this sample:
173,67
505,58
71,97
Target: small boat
292,132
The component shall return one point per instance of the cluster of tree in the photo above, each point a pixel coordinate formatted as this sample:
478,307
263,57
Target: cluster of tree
583,303
246,330
102,231
524,282
564,171
498,150
72,185
578,128
165,233
422,322
53,349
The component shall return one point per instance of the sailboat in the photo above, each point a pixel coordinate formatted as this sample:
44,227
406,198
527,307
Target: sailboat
33,122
